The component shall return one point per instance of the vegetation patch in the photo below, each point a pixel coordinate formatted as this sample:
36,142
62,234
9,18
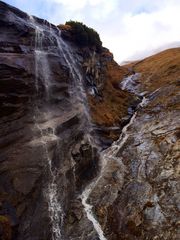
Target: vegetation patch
83,35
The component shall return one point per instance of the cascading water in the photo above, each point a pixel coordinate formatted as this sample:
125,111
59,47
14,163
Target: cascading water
42,68
72,64
78,81
81,96
108,154
89,212
47,135
130,83
41,64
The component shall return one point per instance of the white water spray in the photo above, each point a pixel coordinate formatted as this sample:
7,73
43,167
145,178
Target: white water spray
51,192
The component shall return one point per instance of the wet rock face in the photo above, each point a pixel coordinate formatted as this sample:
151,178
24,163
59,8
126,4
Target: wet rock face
147,203
86,164
20,168
39,122
144,202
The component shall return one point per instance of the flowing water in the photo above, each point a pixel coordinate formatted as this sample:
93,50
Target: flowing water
47,135
110,153
78,85
81,95
89,212
131,83
42,69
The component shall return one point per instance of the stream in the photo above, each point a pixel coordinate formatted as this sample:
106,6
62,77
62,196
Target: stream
111,152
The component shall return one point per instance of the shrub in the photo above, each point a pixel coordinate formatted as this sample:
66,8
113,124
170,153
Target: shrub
83,35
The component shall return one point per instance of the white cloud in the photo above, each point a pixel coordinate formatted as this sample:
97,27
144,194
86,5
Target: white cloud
69,4
130,29
144,32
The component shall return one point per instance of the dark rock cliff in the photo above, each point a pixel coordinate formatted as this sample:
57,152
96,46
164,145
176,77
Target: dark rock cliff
44,126
61,105
38,124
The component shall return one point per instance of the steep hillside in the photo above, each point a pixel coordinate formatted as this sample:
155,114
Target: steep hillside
147,203
161,71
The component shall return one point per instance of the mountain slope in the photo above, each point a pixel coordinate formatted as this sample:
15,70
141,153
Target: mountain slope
146,203
160,69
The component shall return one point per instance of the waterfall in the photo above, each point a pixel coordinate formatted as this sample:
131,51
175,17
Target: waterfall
81,95
42,69
79,89
47,132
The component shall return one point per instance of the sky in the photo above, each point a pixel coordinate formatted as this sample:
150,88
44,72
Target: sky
130,29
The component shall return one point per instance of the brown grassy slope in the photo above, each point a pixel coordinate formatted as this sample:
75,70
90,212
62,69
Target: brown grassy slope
115,102
160,69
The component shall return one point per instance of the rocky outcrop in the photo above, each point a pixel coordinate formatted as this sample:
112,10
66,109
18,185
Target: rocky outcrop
108,104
